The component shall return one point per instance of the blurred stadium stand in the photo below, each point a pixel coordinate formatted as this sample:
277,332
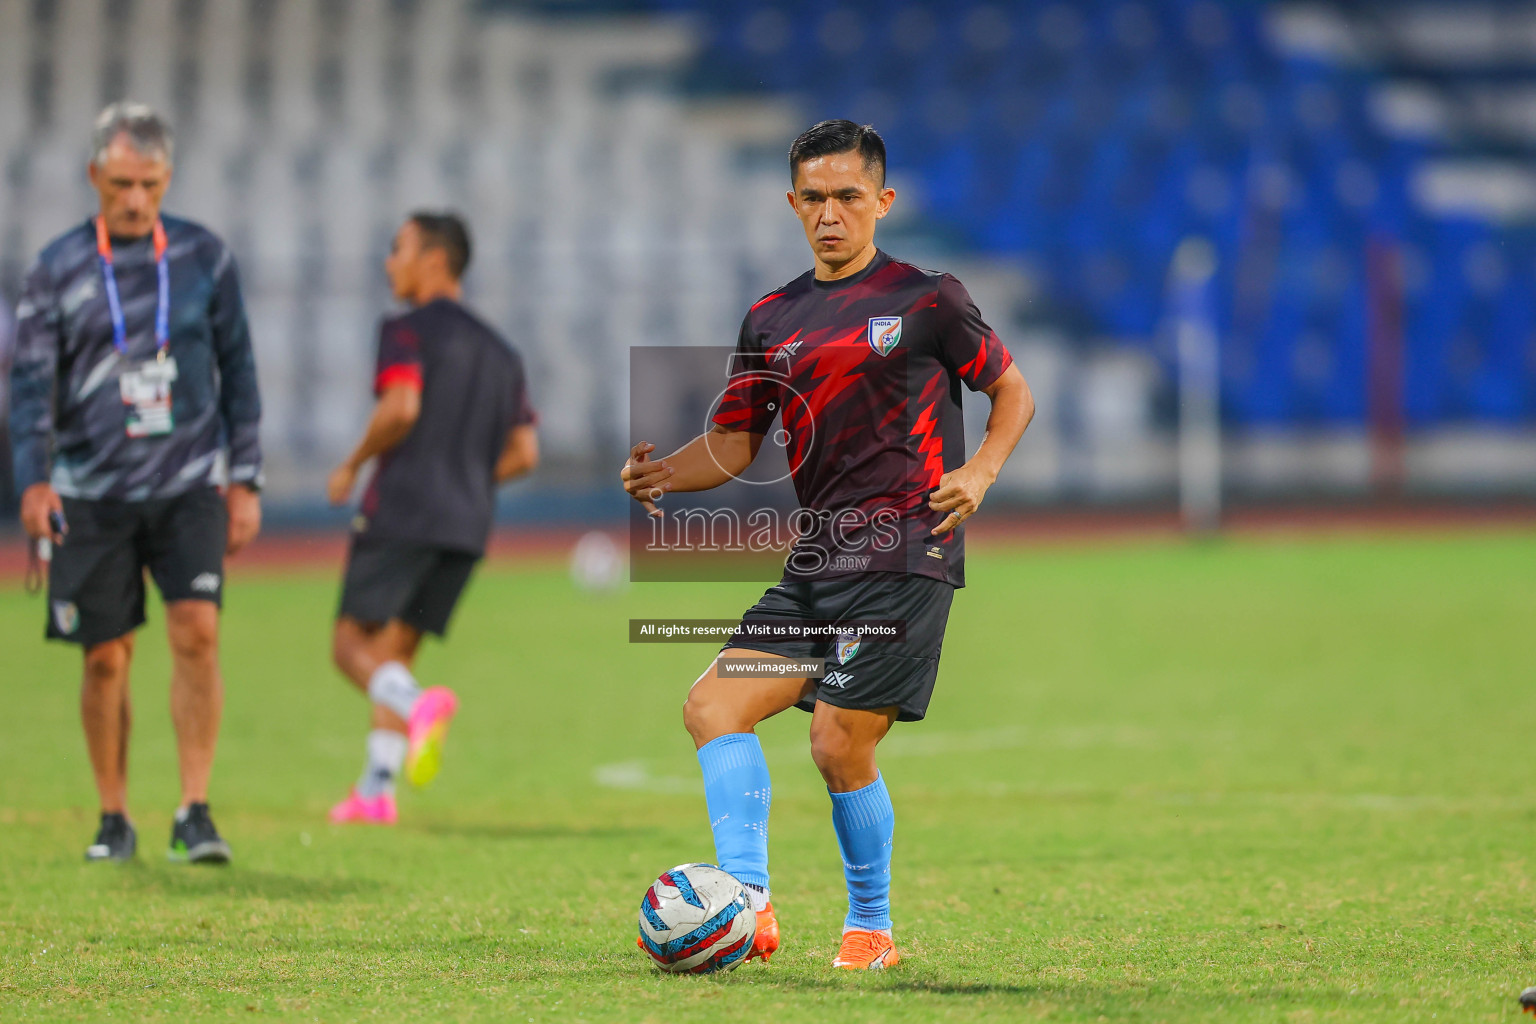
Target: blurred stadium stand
1086,140
1362,169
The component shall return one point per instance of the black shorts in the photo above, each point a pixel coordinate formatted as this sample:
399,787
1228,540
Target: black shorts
96,578
415,583
878,674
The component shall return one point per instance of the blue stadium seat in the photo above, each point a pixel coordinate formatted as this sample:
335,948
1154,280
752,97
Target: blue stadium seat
1092,137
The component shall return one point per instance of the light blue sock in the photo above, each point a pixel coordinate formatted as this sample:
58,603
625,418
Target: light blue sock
866,824
738,793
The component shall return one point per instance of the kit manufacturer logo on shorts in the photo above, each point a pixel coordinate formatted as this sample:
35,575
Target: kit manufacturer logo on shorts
884,334
207,583
838,679
66,617
846,647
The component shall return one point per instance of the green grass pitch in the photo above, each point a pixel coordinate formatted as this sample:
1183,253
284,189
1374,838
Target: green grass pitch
1247,780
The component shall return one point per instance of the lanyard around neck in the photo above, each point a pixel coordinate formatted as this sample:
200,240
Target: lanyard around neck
114,302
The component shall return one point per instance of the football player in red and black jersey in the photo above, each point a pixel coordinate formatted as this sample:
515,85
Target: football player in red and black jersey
452,423
862,359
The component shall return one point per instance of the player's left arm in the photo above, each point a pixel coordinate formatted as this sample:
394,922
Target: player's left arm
978,358
520,454
960,492
239,402
394,416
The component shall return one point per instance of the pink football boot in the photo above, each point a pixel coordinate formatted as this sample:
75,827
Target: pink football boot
376,810
428,727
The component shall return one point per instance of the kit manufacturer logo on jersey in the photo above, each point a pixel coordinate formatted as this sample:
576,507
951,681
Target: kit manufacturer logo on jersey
884,333
838,679
784,351
66,616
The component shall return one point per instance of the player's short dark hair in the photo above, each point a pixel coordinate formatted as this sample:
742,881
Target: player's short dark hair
445,231
839,136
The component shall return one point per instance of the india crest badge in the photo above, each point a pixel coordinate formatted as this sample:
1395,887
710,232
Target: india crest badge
884,334
66,616
847,646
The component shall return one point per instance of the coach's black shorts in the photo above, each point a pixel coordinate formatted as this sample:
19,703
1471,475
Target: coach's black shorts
96,578
415,583
879,674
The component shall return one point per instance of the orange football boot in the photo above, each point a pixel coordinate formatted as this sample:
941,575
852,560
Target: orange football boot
864,950
766,942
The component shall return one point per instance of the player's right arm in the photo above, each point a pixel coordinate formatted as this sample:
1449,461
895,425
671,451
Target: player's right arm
709,460
741,421
397,383
34,382
393,417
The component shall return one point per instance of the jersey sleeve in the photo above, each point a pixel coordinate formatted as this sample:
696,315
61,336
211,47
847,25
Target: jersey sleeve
399,357
239,392
751,398
34,374
967,346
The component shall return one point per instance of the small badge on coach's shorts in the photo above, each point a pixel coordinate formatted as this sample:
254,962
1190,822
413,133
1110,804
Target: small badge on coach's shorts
846,647
884,333
66,616
207,583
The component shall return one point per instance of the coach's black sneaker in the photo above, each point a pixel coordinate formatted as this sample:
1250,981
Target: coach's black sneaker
115,840
1528,1000
195,840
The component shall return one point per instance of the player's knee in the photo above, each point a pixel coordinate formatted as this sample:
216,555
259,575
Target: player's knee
697,718
840,757
395,642
344,647
706,716
355,649
107,663
831,749
195,637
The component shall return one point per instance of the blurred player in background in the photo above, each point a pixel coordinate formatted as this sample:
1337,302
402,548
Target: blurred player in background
864,355
133,397
7,340
452,423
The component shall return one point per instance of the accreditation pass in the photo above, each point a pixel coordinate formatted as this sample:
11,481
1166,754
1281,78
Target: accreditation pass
146,390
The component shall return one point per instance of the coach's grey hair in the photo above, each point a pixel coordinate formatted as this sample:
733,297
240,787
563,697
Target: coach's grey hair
147,131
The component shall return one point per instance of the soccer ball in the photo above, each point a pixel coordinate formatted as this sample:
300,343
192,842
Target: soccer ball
597,563
696,919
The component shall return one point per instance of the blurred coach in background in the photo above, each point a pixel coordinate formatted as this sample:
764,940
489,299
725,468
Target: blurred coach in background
133,400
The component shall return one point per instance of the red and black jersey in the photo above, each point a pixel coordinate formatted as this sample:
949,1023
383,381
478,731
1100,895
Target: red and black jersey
438,486
864,374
